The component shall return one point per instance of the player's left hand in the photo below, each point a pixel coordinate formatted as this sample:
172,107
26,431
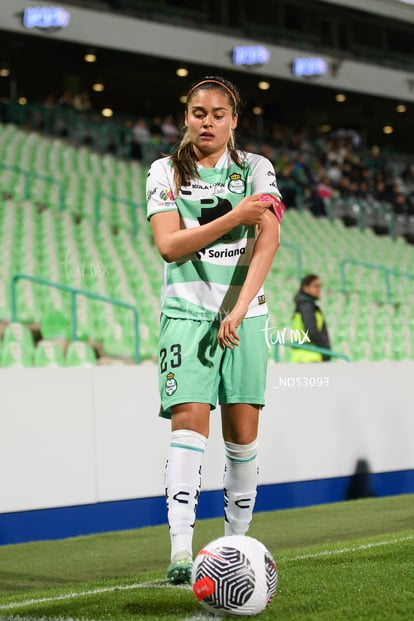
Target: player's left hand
227,335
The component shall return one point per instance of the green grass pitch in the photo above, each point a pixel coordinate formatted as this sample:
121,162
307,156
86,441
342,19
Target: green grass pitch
340,562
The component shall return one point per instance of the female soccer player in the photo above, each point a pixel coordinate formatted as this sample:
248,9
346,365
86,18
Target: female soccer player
215,214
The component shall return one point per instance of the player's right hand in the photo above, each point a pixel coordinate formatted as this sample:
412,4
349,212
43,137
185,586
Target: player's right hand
250,210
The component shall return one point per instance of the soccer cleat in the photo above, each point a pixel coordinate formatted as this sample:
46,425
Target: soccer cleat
180,568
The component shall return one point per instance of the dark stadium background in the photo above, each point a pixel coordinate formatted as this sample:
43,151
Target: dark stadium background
145,85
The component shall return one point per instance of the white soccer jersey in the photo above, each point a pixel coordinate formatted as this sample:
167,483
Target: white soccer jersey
207,283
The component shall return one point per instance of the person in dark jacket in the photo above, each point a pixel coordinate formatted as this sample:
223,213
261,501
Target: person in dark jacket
308,318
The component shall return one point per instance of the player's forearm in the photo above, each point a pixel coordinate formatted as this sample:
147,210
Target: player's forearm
264,253
178,244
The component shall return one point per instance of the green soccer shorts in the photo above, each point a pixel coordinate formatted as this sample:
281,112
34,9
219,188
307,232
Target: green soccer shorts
194,369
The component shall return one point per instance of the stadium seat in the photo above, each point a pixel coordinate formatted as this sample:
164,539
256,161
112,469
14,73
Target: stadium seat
48,354
80,354
55,325
66,247
18,332
117,343
14,354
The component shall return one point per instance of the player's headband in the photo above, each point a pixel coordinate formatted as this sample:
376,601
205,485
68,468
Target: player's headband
233,96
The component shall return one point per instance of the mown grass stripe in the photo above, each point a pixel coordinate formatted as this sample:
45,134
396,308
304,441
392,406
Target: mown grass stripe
163,584
360,548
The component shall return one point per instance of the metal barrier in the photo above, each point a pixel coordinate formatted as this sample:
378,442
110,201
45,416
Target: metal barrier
29,175
79,128
361,211
296,249
115,199
387,271
314,348
74,292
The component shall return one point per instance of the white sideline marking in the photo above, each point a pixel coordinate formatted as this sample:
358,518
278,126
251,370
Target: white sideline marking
363,546
74,595
158,584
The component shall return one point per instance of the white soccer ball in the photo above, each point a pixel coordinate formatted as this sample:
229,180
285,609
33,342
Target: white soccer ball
234,575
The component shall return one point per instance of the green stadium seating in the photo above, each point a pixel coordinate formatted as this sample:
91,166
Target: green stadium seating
116,342
37,238
80,354
17,332
55,324
15,354
48,354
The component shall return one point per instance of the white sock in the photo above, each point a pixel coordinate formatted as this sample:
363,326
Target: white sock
182,486
240,484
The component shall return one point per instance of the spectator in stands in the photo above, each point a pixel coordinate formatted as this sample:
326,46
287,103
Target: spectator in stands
267,152
383,192
140,137
278,137
49,102
169,128
308,320
205,204
169,131
299,141
367,180
325,189
246,131
303,176
345,187
335,152
408,178
82,102
41,116
155,128
63,112
284,170
66,100
400,204
334,173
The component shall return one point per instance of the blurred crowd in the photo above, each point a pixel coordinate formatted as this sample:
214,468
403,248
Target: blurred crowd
310,169
333,166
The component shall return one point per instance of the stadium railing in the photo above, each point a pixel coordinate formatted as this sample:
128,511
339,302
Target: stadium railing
387,271
116,199
30,175
298,253
363,213
313,348
79,128
74,292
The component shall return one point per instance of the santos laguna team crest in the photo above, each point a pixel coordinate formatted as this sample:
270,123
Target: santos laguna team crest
170,384
236,184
